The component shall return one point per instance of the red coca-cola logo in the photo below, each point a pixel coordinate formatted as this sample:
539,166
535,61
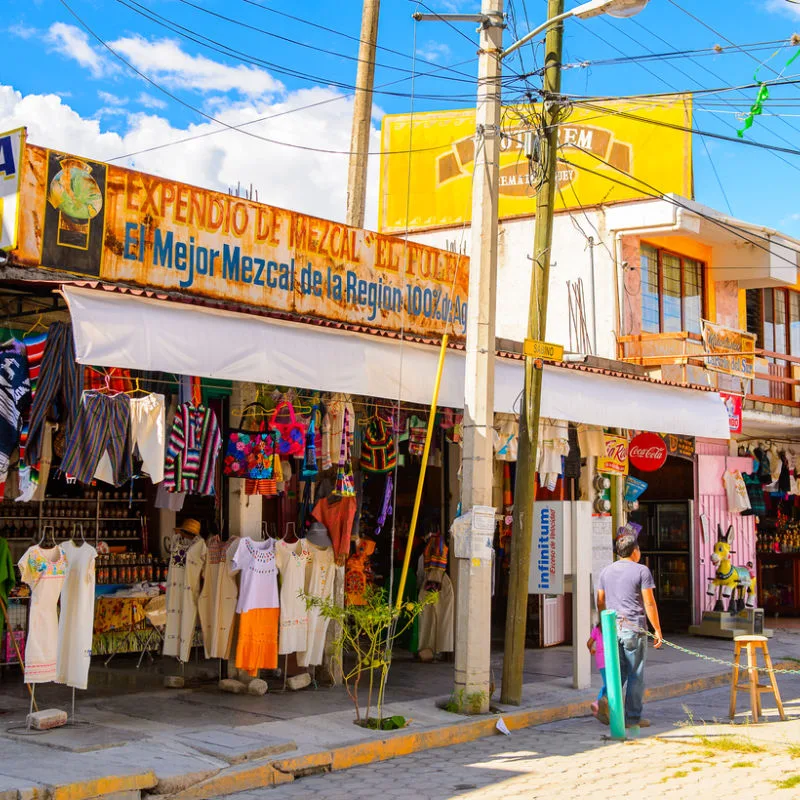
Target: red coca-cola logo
647,452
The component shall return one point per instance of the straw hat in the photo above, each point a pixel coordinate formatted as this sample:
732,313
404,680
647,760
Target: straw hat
191,527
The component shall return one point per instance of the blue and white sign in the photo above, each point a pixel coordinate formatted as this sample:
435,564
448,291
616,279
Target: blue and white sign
547,551
10,165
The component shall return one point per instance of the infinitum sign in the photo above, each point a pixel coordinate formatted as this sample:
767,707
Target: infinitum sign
547,553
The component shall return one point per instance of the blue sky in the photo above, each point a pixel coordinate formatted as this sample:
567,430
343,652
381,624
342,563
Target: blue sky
74,94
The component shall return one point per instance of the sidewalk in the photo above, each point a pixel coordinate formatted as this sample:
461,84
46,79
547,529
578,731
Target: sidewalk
200,742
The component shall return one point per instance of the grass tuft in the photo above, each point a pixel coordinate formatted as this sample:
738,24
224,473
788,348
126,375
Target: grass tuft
789,783
729,744
742,764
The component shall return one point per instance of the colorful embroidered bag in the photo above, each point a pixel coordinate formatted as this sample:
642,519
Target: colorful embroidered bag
310,469
378,451
292,431
248,454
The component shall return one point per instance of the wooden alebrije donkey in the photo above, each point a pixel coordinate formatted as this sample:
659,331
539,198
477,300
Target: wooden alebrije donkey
731,582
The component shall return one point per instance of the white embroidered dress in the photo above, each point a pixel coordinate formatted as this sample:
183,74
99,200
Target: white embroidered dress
76,624
217,603
320,584
292,560
44,571
183,590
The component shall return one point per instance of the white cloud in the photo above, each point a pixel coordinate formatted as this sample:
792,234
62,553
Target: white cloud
148,101
309,182
783,7
112,99
23,31
73,43
433,51
165,62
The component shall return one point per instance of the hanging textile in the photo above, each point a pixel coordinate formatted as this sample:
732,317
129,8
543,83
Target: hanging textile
333,428
187,559
58,394
357,573
217,603
194,445
258,606
76,623
320,584
102,425
44,570
293,560
15,399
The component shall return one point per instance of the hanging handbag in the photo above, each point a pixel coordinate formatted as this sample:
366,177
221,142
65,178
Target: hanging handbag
292,432
248,454
378,451
310,469
345,484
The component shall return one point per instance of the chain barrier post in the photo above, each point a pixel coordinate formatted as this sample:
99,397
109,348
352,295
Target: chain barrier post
616,704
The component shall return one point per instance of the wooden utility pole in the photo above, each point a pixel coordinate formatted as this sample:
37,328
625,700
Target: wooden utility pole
525,485
362,115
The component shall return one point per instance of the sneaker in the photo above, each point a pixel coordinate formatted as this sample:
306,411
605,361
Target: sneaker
642,723
602,712
595,708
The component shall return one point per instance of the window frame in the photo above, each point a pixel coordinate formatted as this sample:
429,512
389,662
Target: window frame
786,294
660,253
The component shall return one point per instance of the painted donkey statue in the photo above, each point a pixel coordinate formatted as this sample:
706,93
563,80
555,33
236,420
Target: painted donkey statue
730,582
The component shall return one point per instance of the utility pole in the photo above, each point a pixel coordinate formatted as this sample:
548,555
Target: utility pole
362,115
474,577
525,484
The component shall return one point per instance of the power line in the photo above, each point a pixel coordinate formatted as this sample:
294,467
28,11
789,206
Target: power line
742,233
223,49
185,139
210,117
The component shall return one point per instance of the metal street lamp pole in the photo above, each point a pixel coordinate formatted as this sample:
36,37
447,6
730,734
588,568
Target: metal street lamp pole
473,585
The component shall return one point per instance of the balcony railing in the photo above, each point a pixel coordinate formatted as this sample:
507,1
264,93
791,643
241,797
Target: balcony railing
680,357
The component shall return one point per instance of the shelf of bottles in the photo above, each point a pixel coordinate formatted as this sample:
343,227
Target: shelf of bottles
106,515
783,537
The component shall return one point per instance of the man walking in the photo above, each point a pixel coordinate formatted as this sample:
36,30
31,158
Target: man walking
627,587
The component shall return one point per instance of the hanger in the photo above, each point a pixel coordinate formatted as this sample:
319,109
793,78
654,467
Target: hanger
136,388
290,534
79,526
35,325
45,529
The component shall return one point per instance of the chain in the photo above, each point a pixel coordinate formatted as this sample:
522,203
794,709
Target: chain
711,659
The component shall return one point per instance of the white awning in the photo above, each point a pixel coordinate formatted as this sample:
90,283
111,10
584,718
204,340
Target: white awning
132,332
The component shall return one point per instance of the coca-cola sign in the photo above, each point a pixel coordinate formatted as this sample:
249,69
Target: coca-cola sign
647,452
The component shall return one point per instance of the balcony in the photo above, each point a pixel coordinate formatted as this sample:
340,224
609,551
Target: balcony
679,358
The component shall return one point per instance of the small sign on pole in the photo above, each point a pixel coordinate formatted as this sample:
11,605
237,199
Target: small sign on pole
549,352
547,553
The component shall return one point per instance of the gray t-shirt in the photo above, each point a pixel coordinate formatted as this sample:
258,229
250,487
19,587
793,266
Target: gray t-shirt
622,583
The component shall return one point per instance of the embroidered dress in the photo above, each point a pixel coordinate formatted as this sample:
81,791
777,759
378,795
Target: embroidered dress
183,590
194,446
76,623
356,573
258,606
292,560
44,571
217,604
320,584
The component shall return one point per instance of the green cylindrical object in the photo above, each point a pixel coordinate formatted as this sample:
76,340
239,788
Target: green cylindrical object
616,702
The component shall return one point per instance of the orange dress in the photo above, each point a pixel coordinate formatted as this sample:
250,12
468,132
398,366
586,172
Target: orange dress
355,576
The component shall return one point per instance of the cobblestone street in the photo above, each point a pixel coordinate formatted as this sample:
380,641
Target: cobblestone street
683,755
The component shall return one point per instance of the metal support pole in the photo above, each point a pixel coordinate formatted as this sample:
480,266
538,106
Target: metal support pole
362,115
525,489
473,597
616,704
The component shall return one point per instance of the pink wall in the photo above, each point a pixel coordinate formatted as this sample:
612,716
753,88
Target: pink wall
712,461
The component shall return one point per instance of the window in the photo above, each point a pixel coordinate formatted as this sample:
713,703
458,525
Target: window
774,316
672,292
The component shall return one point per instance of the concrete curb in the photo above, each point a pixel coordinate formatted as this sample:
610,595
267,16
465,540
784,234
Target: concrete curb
261,774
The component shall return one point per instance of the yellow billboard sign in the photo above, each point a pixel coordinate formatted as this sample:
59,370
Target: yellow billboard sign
624,144
96,220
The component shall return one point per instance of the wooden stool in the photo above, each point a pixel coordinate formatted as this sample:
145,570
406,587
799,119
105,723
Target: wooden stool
752,644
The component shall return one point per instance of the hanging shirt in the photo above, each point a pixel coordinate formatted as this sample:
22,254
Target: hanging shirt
736,492
194,446
258,585
15,399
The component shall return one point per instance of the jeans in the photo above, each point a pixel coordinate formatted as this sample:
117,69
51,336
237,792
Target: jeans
632,655
604,689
